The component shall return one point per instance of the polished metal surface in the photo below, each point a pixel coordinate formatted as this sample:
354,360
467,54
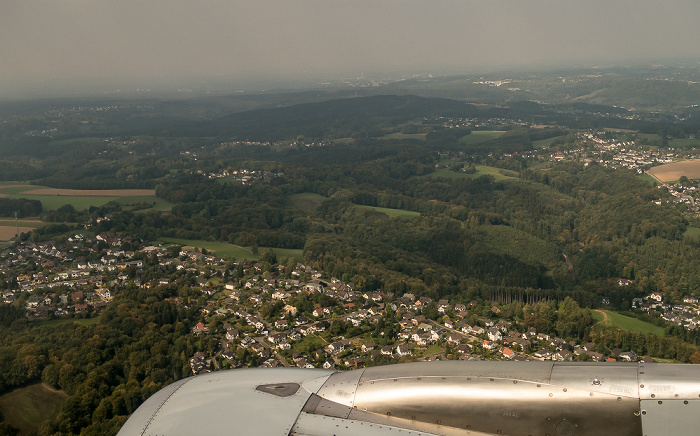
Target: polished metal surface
432,398
340,387
604,378
505,405
671,417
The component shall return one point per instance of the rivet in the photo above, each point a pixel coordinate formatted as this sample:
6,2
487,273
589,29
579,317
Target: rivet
637,413
644,412
592,394
676,395
641,386
469,378
685,402
565,390
388,413
653,396
515,382
491,379
551,394
549,419
661,402
619,398
469,426
539,386
373,382
419,378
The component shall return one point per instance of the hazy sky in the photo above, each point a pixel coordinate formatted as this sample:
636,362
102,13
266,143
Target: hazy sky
50,44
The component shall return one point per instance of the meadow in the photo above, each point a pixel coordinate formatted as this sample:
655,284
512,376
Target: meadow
26,408
481,170
477,136
231,251
396,213
53,198
692,231
623,322
306,201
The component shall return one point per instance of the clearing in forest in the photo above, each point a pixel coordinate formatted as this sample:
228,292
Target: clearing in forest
625,322
26,408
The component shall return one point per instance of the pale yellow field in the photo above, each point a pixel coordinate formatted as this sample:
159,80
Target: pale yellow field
673,171
8,232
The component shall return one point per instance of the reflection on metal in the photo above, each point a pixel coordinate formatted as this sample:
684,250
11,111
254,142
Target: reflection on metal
279,389
432,398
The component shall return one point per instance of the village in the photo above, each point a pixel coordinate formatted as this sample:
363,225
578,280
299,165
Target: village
268,314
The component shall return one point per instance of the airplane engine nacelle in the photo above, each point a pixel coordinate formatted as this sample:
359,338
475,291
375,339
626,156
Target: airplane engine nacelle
432,398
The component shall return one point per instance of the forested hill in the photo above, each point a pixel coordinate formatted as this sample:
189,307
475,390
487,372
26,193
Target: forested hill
332,118
346,117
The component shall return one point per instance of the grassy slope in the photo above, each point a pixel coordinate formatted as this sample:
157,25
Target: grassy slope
692,231
306,201
231,251
648,178
26,408
399,213
481,170
56,322
626,323
221,249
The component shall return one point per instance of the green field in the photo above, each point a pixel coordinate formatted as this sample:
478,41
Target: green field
649,179
80,202
434,349
11,223
306,201
544,142
692,231
481,170
57,322
684,143
12,190
478,136
53,202
130,203
221,249
26,408
398,213
399,135
231,251
626,323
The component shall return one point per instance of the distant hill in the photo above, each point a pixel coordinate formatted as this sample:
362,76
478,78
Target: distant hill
332,118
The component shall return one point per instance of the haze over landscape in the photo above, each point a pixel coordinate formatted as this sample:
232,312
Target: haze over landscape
63,47
202,187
